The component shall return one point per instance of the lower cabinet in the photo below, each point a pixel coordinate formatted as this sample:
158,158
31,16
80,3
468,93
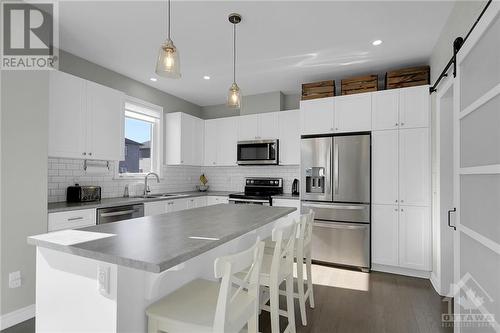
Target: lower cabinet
401,236
215,200
71,220
174,205
196,202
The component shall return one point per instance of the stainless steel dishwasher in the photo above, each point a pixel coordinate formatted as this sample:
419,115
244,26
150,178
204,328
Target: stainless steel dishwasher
120,213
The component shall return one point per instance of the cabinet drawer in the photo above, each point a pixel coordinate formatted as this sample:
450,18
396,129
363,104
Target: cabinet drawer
71,220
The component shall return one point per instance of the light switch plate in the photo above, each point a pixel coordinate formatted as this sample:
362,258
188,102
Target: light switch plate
103,273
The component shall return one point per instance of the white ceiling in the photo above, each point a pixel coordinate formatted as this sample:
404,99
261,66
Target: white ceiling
280,44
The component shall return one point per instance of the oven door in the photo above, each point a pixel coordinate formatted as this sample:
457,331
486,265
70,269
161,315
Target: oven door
238,201
258,152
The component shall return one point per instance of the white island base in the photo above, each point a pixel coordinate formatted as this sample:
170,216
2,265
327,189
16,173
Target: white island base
70,297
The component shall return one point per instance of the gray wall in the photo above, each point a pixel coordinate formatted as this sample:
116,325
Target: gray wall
251,104
85,69
24,137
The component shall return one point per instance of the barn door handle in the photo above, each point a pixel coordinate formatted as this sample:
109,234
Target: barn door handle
449,218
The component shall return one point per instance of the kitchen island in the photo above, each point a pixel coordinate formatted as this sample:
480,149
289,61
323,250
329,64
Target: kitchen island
102,278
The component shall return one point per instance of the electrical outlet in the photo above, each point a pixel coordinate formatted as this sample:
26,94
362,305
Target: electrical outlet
103,280
15,279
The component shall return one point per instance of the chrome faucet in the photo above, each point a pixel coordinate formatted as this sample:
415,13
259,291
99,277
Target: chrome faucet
146,187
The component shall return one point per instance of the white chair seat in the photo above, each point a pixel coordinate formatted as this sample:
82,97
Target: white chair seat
192,307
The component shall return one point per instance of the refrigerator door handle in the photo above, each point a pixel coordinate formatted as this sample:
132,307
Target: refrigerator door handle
333,206
336,168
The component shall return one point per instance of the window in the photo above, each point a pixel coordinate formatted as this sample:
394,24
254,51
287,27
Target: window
142,146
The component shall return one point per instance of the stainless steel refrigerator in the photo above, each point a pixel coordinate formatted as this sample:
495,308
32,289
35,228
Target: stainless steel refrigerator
336,177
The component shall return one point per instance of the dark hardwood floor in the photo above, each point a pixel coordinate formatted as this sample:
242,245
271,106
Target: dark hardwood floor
355,302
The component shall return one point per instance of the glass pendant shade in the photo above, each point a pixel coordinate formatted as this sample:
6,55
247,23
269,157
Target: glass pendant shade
234,97
168,64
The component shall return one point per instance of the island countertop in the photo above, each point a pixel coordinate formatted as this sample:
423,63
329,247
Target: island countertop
157,243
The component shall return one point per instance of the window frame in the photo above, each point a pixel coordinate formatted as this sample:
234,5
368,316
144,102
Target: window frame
149,110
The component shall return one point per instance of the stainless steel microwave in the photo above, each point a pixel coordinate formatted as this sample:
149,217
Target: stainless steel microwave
258,152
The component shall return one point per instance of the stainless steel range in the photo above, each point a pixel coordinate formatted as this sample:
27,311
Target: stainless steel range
258,191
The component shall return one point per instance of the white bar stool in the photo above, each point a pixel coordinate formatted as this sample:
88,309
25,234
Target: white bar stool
208,306
302,253
276,268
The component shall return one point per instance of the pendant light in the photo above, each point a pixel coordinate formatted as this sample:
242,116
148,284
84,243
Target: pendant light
168,64
234,95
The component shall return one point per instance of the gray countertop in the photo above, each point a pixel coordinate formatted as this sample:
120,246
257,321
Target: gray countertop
157,243
113,202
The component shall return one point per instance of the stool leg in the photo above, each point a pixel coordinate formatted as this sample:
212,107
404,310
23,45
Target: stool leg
309,280
290,309
275,306
253,324
300,286
152,325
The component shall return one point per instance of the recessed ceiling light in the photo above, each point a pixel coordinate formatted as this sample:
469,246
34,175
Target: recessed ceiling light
377,42
153,79
206,77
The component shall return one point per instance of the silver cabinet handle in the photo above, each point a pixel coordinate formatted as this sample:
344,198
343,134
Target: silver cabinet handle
352,207
90,154
122,212
84,153
396,124
75,218
449,218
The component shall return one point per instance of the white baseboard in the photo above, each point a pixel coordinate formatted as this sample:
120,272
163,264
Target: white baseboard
18,316
401,271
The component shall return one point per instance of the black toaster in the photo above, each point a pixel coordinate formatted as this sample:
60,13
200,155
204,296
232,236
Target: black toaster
79,193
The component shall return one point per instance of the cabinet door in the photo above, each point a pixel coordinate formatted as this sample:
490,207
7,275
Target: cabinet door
155,208
248,127
414,167
414,107
67,116
289,136
187,140
385,234
173,141
268,125
71,220
353,113
210,144
385,167
196,202
199,134
316,115
227,139
414,237
105,109
385,109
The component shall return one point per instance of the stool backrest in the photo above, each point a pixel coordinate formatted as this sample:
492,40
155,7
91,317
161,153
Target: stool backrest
304,237
226,267
284,236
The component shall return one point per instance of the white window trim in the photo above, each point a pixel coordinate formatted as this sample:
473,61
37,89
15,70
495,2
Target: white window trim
154,111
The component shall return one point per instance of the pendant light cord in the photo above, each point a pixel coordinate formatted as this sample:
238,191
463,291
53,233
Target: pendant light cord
168,14
234,53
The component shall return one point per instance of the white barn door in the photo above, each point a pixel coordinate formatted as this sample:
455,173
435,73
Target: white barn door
477,178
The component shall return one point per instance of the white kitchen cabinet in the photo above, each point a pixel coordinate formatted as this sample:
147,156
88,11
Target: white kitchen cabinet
67,116
414,238
214,200
71,219
258,126
86,120
385,109
155,208
353,113
289,137
414,107
196,202
210,144
385,234
227,139
105,108
414,167
385,155
317,115
183,139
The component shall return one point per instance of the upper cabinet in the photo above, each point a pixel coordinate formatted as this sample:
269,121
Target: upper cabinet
385,109
221,138
414,106
353,113
258,126
183,139
317,115
289,137
86,120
